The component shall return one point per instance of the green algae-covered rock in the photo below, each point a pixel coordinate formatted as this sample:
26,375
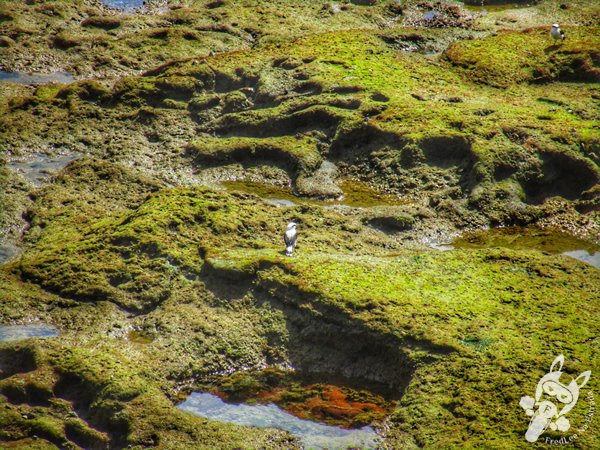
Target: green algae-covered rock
460,336
372,128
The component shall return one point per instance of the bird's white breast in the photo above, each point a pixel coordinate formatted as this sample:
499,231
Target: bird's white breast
290,234
555,32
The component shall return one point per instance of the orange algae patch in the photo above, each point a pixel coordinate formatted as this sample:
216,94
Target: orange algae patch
334,406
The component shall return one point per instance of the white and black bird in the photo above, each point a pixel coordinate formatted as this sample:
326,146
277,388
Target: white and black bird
557,33
289,237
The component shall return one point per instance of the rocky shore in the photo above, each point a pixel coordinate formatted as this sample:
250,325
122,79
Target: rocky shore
142,206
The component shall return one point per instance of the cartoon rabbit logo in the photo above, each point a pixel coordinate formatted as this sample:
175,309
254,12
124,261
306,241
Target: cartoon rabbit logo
550,394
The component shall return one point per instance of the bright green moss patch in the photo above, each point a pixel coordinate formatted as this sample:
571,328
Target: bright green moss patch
23,302
97,41
532,56
128,255
47,91
410,126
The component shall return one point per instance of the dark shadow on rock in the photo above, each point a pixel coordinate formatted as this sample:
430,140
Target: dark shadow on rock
391,224
561,175
448,151
104,416
317,117
226,285
504,170
324,343
552,48
361,141
16,359
26,393
453,153
247,156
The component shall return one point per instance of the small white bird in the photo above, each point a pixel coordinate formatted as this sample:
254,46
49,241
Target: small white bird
289,237
557,33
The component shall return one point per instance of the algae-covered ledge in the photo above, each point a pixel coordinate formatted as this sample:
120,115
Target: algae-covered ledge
143,202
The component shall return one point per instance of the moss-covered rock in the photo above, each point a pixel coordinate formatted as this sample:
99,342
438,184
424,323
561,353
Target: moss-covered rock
235,301
90,39
530,56
318,98
297,154
158,286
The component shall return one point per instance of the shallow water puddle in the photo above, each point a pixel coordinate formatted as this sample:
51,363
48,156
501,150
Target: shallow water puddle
280,196
41,167
139,337
7,252
124,4
356,194
312,434
592,259
532,238
441,246
36,78
17,332
280,202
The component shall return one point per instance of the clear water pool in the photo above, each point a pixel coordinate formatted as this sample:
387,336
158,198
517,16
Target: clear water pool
312,435
124,4
40,167
17,332
36,78
592,258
